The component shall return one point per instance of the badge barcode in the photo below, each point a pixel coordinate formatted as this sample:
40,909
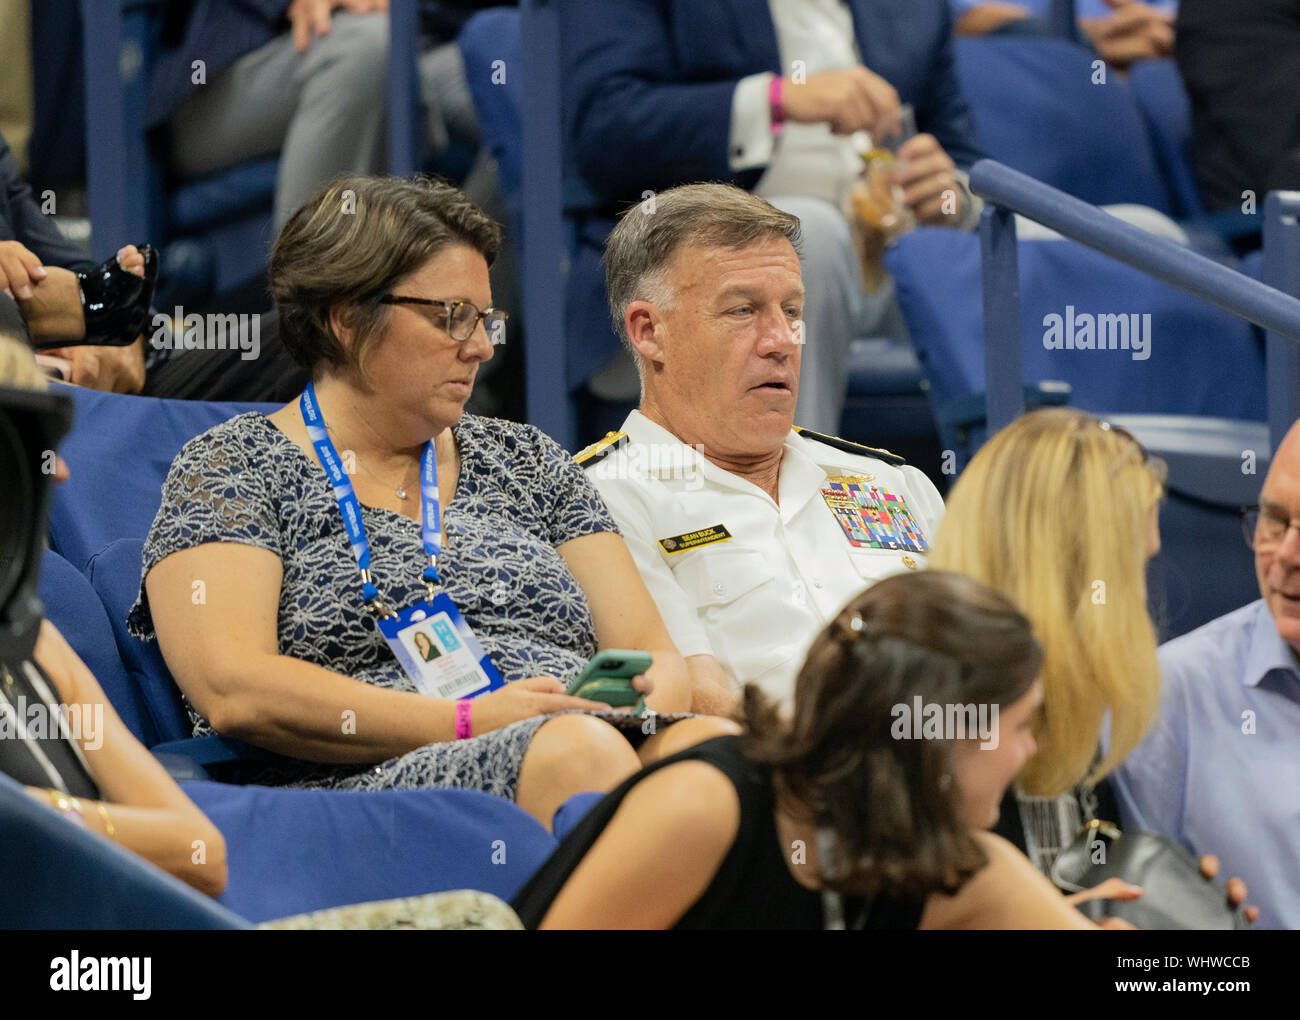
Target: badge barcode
464,682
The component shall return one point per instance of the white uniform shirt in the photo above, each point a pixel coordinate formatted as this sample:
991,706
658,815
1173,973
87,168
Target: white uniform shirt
747,581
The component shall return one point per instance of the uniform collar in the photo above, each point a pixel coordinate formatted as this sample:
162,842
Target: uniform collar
799,479
1267,651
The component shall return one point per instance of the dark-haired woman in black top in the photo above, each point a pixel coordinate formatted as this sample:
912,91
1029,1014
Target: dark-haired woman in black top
912,714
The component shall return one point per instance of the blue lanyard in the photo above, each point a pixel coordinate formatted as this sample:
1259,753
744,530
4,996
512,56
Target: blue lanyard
350,506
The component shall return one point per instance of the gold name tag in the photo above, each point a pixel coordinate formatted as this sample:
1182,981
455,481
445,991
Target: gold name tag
695,539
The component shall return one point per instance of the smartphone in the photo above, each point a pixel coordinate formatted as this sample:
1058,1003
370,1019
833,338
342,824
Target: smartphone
608,677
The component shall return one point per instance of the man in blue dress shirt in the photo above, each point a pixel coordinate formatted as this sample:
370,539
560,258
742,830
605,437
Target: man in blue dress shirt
1220,769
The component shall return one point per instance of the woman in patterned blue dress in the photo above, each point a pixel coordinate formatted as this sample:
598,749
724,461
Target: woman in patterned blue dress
250,585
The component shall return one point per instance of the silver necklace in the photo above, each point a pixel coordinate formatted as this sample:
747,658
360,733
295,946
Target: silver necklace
399,489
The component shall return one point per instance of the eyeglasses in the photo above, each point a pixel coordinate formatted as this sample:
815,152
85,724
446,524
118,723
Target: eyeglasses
461,318
1263,530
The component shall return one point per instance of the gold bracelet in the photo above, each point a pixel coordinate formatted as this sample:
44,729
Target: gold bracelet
109,829
67,806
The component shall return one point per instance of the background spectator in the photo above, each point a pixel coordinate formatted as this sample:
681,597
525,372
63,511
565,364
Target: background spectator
890,822
1219,771
1240,60
660,94
138,805
531,557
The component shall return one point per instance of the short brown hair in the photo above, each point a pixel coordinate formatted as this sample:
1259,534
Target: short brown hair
350,243
650,233
933,634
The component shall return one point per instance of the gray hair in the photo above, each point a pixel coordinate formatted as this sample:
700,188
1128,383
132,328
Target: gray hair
650,233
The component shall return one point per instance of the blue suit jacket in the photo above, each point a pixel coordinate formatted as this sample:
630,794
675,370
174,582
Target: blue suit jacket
647,104
648,83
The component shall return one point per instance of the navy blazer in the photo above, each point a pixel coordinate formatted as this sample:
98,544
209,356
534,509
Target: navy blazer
648,83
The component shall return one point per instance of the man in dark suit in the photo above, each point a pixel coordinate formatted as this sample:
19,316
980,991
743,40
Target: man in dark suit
764,94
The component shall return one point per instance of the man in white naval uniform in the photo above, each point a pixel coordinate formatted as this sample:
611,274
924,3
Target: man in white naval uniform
750,534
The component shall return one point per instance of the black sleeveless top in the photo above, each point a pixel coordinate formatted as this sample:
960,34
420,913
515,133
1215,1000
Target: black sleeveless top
44,753
753,887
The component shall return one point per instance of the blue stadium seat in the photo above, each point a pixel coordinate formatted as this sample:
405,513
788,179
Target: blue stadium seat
165,728
1037,110
60,876
490,43
293,851
287,852
1166,110
572,811
73,606
488,37
114,574
1191,341
118,453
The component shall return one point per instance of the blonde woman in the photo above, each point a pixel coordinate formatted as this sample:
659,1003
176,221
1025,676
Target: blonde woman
1059,513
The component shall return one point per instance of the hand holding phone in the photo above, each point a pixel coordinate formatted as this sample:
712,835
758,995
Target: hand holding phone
608,677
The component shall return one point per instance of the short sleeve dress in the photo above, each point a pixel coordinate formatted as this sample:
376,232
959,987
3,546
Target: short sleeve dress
519,496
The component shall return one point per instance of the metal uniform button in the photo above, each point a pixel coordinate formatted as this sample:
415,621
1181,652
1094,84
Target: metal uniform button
909,563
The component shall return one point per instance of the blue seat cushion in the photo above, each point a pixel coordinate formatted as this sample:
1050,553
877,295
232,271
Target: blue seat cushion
61,876
227,195
572,811
292,851
1036,109
118,453
1191,342
115,575
74,607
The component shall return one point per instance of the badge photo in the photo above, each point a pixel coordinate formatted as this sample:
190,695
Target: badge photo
438,651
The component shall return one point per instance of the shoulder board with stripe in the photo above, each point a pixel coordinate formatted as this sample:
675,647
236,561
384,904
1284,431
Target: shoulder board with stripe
592,454
847,446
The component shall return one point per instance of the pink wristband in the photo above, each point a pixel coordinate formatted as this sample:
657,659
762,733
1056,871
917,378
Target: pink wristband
462,719
776,103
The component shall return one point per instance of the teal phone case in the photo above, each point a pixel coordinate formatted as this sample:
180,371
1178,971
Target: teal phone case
608,677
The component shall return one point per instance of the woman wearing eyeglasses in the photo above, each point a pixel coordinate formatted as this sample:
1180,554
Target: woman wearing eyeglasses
321,535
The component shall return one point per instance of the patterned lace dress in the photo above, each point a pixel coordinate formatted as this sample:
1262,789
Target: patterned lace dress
518,497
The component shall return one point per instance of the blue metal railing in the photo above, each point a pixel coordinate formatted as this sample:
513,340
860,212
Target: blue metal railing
545,269
1008,191
1282,271
404,110
1061,18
